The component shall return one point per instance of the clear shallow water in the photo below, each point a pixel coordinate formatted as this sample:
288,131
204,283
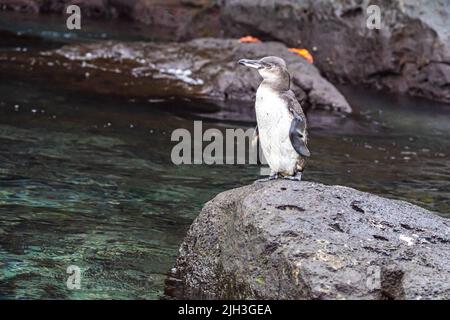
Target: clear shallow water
85,188
88,180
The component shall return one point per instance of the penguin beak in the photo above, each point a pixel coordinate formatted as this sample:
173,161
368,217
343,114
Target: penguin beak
251,63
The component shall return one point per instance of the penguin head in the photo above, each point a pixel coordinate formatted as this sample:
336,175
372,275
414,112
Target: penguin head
271,69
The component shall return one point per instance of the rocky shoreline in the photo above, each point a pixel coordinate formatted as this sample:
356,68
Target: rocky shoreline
409,54
305,240
203,69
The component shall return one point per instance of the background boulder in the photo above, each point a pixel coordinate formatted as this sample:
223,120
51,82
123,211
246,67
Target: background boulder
199,69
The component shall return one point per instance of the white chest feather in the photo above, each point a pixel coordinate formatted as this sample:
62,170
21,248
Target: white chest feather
274,121
271,111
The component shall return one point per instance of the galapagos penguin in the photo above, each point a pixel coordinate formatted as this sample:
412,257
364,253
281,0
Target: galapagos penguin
281,123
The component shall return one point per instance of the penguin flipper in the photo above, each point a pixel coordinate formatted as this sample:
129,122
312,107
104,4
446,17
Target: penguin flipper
298,136
297,133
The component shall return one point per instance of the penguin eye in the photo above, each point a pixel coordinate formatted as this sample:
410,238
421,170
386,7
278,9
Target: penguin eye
267,66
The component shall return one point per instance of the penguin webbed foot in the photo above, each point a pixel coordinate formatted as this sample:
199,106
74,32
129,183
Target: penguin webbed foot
269,178
295,177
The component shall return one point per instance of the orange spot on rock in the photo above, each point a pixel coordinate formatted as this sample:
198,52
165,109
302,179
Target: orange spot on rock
302,53
249,39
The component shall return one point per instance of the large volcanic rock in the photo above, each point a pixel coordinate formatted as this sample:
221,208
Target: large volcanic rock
201,68
305,240
410,53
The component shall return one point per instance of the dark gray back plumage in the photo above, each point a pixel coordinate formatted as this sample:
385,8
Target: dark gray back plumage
298,131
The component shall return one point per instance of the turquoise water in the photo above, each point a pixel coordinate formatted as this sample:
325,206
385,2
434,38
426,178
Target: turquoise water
87,180
90,183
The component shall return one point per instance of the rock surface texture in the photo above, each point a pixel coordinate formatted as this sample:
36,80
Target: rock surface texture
291,240
409,54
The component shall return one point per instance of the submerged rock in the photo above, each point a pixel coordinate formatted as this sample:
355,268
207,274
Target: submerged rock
202,68
290,240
